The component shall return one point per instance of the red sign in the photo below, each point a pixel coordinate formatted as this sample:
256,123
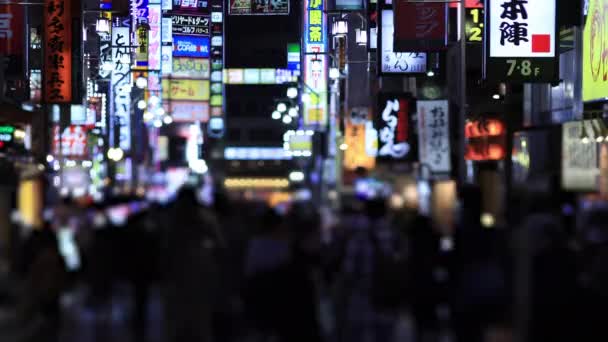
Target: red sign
11,30
485,140
72,143
469,4
420,27
57,51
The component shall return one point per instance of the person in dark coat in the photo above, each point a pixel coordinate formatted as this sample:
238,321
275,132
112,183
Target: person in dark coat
191,271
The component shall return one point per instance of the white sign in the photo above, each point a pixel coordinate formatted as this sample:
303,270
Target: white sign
166,53
216,17
580,169
397,62
121,86
522,28
167,28
166,5
184,111
434,135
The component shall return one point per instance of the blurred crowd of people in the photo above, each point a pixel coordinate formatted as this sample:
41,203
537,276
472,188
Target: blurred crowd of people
242,271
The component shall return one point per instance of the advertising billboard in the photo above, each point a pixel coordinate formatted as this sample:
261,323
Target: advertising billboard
188,24
258,7
595,48
189,90
190,46
184,111
187,67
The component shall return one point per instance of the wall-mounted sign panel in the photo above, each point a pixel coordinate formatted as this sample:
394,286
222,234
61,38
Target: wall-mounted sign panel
315,111
256,7
186,46
595,48
154,37
194,25
57,51
420,27
396,138
434,136
521,41
189,90
196,68
187,111
580,169
191,6
392,62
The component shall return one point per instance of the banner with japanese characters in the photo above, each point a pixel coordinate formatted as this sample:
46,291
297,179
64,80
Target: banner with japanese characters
396,135
194,25
392,62
187,90
521,41
315,72
71,142
434,136
57,51
120,106
420,26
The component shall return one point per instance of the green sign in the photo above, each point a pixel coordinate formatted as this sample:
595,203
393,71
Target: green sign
7,129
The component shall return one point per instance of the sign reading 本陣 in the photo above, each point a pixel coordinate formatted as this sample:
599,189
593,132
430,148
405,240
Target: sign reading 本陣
315,64
434,135
595,48
194,25
57,51
520,40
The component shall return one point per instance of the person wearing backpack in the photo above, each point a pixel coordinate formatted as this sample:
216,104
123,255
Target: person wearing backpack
375,269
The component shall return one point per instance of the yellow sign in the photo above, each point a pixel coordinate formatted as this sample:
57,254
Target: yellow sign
192,90
191,67
356,155
595,48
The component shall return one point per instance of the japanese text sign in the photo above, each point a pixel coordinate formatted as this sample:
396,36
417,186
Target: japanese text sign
396,62
58,51
315,64
154,36
420,27
183,111
474,19
394,128
521,40
186,46
580,169
195,25
192,90
434,135
11,30
121,87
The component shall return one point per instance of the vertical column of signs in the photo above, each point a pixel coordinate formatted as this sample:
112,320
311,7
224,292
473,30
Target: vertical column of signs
217,59
186,89
315,64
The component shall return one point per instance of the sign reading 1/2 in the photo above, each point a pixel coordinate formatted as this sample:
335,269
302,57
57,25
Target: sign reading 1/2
474,25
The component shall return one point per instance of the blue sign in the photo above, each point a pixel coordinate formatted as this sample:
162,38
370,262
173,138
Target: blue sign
189,46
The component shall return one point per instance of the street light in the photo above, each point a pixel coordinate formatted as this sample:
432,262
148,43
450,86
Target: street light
292,92
293,112
361,37
287,119
141,82
334,73
281,107
102,26
141,104
167,120
584,137
276,115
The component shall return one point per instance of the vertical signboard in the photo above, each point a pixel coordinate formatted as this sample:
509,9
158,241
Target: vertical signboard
474,22
521,41
434,136
420,26
595,48
57,51
580,169
121,87
217,63
11,30
154,50
315,64
395,134
392,62
355,136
